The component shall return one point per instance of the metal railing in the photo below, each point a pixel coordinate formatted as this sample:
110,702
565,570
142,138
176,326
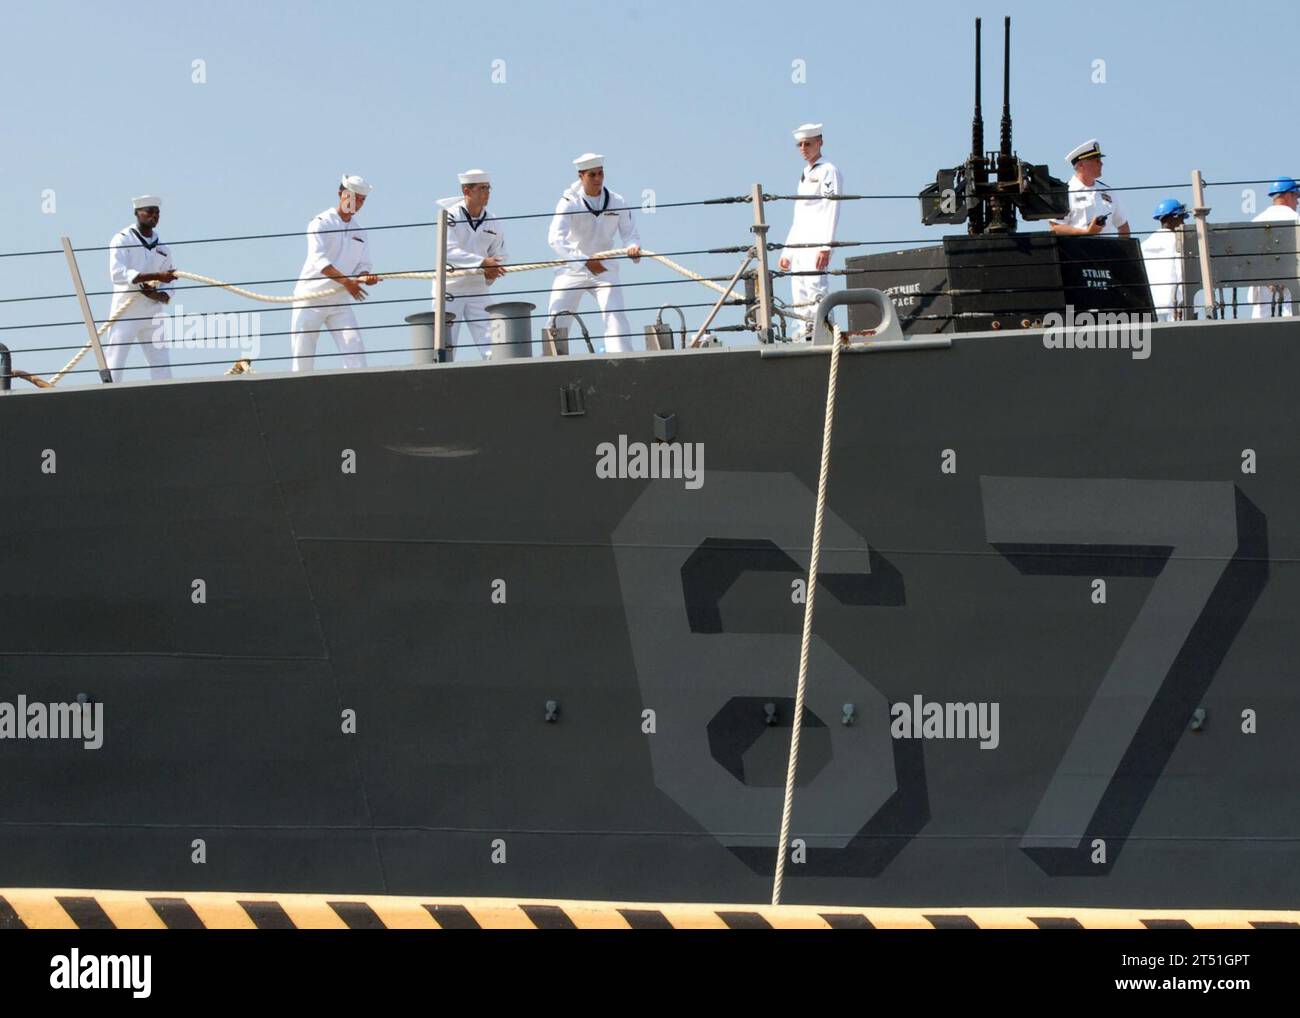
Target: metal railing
1215,261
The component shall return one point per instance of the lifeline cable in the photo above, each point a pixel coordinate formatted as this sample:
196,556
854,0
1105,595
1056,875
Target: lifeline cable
291,299
726,200
86,349
328,354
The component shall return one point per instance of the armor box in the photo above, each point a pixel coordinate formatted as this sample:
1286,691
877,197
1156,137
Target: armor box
971,284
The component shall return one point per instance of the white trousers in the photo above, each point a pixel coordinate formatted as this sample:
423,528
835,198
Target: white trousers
122,335
471,312
1261,297
567,292
807,290
342,323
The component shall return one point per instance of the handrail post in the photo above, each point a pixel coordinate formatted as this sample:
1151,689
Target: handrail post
763,313
104,374
1212,309
440,301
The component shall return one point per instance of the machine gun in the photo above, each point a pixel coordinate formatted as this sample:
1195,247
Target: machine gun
996,278
989,189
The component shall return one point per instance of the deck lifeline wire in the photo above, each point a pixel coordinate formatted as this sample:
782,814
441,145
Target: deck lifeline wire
698,251
726,200
291,299
786,311
860,270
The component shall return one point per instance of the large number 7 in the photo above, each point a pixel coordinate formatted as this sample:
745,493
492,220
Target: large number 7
1207,546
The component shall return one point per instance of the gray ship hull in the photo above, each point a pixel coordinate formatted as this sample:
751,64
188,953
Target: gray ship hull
959,577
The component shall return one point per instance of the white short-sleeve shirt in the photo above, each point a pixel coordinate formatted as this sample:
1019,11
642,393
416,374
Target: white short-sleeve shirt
1087,201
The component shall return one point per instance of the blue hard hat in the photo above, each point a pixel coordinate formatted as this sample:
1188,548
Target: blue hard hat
1169,207
1283,185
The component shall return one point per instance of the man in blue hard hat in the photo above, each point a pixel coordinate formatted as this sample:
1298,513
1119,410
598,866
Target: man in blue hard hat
1285,191
1163,255
1274,299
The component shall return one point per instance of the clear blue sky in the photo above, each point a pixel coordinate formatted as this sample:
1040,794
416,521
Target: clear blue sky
690,99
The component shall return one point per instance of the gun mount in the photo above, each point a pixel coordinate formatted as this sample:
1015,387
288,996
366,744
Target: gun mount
997,278
990,188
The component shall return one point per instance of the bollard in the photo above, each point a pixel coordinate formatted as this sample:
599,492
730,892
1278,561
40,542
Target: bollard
6,368
422,349
512,329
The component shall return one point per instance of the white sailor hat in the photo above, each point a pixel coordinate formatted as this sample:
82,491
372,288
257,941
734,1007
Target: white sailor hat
588,161
805,131
357,185
1089,149
145,201
474,177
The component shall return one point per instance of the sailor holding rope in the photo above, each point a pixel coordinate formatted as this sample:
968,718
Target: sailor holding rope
338,254
138,263
586,220
475,240
816,214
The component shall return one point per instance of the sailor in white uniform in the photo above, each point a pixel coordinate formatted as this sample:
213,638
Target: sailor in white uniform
814,223
1276,297
1162,256
587,218
1094,210
139,262
475,240
338,253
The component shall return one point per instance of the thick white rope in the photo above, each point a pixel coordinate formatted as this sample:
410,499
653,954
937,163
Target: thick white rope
451,274
814,560
267,298
54,379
